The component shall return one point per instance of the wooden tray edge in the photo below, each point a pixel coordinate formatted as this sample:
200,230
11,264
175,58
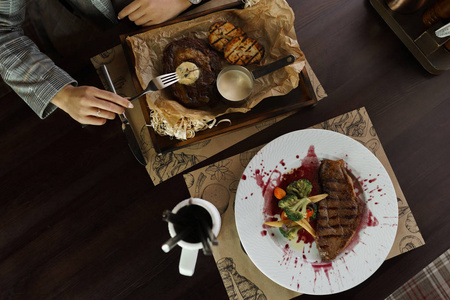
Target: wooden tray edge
304,84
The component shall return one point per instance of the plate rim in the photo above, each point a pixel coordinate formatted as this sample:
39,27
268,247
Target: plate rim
365,151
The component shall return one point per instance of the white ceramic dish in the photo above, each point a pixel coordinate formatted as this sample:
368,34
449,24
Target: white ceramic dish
300,268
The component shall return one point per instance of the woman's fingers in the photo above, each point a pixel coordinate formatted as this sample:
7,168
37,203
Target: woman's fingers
139,12
149,12
90,105
112,98
103,114
129,9
145,19
106,104
136,15
89,120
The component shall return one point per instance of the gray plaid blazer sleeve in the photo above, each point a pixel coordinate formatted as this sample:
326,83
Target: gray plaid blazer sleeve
29,72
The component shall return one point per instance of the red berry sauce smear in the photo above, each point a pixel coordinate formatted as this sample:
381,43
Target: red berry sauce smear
281,176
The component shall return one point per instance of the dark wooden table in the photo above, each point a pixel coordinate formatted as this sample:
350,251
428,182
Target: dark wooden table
81,219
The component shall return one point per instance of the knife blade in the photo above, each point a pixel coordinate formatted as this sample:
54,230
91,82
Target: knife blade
126,126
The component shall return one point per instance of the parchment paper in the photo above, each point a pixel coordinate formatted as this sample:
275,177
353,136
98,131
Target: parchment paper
218,183
270,22
161,167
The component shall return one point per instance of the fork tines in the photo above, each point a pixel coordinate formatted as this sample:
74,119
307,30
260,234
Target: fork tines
169,78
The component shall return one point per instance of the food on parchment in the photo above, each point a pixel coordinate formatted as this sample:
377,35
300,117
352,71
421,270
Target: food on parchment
221,33
196,51
238,48
187,72
339,214
243,51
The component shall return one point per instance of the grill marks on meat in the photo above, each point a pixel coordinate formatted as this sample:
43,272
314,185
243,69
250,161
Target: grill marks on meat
338,214
202,91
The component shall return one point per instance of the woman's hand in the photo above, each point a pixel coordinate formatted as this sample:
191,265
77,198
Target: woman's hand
150,12
90,105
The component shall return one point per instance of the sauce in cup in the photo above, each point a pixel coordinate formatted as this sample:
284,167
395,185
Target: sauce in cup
235,84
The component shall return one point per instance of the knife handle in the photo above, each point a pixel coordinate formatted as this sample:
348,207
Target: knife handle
107,78
111,88
126,127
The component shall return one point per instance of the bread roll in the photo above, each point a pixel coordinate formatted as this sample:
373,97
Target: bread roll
243,51
221,33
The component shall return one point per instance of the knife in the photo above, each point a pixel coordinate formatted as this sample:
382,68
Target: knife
126,126
444,31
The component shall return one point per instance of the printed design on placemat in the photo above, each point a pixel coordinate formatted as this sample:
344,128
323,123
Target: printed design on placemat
236,285
198,145
218,193
220,171
355,125
373,145
350,124
105,57
320,92
146,143
410,222
315,83
119,83
200,180
403,209
170,164
233,186
409,243
246,157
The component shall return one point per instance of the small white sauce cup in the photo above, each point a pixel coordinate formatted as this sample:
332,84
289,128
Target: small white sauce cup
235,83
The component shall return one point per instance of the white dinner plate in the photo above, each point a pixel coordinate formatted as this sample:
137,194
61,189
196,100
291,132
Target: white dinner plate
300,268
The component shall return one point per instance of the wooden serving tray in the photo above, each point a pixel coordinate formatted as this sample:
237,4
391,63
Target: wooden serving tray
421,41
301,96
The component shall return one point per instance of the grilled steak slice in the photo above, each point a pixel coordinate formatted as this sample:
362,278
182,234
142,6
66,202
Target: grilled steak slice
189,49
339,214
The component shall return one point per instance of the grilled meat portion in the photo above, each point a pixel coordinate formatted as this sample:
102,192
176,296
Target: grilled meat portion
338,214
189,49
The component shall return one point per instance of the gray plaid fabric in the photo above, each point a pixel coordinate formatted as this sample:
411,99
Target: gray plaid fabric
29,72
432,283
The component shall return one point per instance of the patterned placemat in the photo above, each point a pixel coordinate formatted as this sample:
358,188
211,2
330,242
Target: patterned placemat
218,183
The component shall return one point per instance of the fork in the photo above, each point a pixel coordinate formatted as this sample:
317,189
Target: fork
158,83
